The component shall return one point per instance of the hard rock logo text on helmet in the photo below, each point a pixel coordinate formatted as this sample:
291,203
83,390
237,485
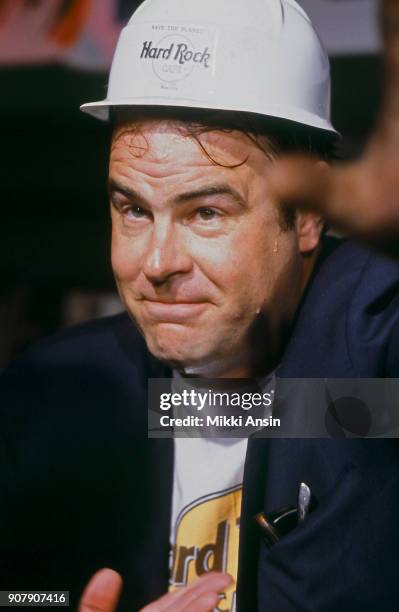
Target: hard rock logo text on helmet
177,52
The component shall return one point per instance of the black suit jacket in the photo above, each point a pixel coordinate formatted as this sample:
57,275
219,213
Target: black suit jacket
82,488
345,555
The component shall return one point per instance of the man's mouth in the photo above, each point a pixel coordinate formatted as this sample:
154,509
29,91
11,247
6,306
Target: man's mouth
173,312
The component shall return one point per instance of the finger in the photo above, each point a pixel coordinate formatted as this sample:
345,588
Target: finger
387,129
390,31
301,181
390,20
102,592
367,203
204,603
359,199
212,582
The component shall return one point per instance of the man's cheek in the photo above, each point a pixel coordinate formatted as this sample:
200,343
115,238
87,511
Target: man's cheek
117,255
123,260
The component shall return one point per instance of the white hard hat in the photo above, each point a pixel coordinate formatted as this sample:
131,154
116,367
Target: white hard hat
257,56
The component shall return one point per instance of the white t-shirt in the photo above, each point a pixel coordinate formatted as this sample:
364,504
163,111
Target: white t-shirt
207,490
207,493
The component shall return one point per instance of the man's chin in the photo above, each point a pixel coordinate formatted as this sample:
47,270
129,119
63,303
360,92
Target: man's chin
176,346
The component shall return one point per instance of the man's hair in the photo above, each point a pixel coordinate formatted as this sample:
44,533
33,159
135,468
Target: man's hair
274,137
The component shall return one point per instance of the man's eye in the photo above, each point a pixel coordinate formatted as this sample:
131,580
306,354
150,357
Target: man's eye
207,214
135,212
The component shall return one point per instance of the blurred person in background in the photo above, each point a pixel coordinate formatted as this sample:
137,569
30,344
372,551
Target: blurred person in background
187,189
360,199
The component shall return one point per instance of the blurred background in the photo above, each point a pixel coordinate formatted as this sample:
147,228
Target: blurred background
55,230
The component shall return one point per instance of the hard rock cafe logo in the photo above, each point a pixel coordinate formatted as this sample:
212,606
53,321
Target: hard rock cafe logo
174,57
206,539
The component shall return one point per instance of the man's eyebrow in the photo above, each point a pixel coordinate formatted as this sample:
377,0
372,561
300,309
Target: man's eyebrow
114,185
203,192
212,190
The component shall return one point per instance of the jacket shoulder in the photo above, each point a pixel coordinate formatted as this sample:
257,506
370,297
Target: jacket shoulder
95,367
89,340
347,325
108,342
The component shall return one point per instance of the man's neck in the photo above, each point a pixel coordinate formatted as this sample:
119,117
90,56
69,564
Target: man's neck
228,367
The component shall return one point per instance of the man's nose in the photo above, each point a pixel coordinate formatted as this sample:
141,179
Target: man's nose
166,255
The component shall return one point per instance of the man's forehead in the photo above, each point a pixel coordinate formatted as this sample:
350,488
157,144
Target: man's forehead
139,133
165,138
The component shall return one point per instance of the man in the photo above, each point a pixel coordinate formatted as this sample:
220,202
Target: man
220,282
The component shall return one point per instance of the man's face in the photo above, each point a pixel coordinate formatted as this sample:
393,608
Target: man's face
198,251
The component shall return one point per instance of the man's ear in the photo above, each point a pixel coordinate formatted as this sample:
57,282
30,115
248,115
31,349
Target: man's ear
309,227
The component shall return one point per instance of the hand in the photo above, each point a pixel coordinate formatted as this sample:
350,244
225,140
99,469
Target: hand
362,198
103,592
200,596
